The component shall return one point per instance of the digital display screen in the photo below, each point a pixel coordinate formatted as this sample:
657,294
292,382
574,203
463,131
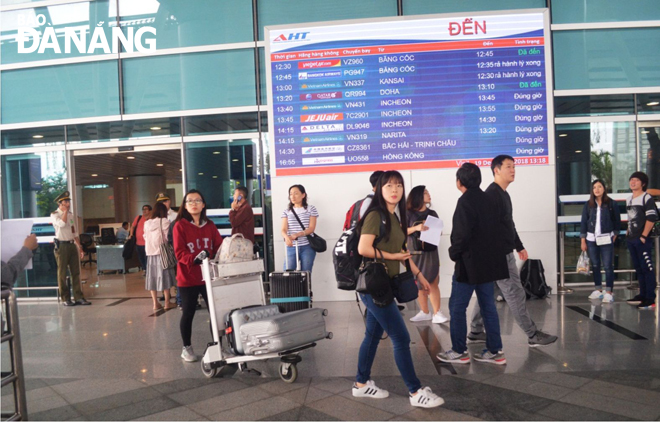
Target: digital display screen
409,93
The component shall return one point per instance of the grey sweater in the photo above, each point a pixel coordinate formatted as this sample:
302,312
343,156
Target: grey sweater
15,265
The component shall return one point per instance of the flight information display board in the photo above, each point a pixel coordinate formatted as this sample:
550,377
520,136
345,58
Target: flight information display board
409,94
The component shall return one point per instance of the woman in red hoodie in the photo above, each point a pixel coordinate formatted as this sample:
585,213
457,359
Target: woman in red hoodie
195,238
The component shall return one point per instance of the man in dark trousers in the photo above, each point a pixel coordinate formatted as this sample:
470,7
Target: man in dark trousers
241,215
478,264
68,251
504,171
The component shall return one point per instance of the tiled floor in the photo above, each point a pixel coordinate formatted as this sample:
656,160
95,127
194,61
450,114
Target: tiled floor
118,360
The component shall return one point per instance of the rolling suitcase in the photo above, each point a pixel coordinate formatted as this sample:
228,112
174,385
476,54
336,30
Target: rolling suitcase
238,317
283,331
291,290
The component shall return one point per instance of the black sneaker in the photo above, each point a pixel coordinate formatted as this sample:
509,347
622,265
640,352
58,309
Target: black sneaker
68,303
82,302
646,304
473,337
541,339
635,301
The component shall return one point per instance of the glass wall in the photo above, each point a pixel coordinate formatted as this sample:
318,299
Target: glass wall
189,81
606,58
217,168
571,11
598,150
649,153
31,182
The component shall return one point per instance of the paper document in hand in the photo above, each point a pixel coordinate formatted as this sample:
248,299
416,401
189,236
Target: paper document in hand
13,235
432,235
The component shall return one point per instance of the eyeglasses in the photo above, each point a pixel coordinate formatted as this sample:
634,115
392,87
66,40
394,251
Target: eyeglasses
194,201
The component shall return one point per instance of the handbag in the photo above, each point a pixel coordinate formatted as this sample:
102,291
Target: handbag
404,286
167,257
315,241
375,281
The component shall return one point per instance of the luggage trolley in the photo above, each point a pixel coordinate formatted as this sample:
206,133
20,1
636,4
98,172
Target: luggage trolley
232,286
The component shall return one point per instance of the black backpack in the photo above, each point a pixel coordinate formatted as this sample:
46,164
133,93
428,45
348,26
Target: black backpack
532,278
346,258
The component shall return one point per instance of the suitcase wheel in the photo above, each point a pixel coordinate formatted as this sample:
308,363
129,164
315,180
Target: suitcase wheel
288,372
208,371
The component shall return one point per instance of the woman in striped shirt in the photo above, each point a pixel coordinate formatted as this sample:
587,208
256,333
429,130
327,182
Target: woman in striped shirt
292,231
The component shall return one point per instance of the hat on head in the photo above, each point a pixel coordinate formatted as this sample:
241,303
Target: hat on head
162,197
64,196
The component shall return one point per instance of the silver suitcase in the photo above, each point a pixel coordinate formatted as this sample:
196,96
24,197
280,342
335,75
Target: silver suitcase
239,317
284,331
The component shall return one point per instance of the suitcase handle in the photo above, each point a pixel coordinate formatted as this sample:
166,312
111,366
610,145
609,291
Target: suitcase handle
286,254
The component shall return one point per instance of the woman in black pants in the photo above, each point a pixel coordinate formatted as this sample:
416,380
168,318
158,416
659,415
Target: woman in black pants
195,238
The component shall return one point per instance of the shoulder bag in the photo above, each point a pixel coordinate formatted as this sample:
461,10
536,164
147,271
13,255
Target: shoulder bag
375,281
167,257
404,286
315,241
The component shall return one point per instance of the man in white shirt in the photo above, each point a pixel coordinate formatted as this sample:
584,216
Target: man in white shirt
68,251
165,199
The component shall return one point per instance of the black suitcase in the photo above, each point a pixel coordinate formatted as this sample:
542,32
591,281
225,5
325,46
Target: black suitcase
291,290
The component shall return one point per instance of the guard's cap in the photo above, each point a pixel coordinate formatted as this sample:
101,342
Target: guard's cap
63,197
162,197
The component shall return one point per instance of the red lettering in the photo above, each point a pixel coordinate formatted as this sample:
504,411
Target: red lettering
477,26
467,26
454,28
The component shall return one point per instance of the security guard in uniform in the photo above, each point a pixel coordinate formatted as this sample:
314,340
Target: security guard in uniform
67,251
165,199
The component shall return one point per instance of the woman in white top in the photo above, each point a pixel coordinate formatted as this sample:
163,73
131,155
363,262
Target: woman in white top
293,231
158,278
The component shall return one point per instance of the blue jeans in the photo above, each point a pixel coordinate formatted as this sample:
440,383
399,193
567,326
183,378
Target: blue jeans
142,256
642,259
595,253
306,255
386,319
461,293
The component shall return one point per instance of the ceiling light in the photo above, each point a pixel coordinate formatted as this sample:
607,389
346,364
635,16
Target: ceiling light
578,151
130,157
249,165
215,177
653,103
94,175
200,174
235,159
120,178
216,152
155,128
160,165
37,136
645,131
180,170
563,135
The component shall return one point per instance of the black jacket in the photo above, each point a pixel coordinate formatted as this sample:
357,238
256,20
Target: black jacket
474,244
506,229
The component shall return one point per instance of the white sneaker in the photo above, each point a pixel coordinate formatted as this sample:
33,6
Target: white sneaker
370,390
596,294
608,298
439,318
499,298
426,398
188,355
421,316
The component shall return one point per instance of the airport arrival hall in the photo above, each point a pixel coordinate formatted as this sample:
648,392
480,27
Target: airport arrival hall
187,207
